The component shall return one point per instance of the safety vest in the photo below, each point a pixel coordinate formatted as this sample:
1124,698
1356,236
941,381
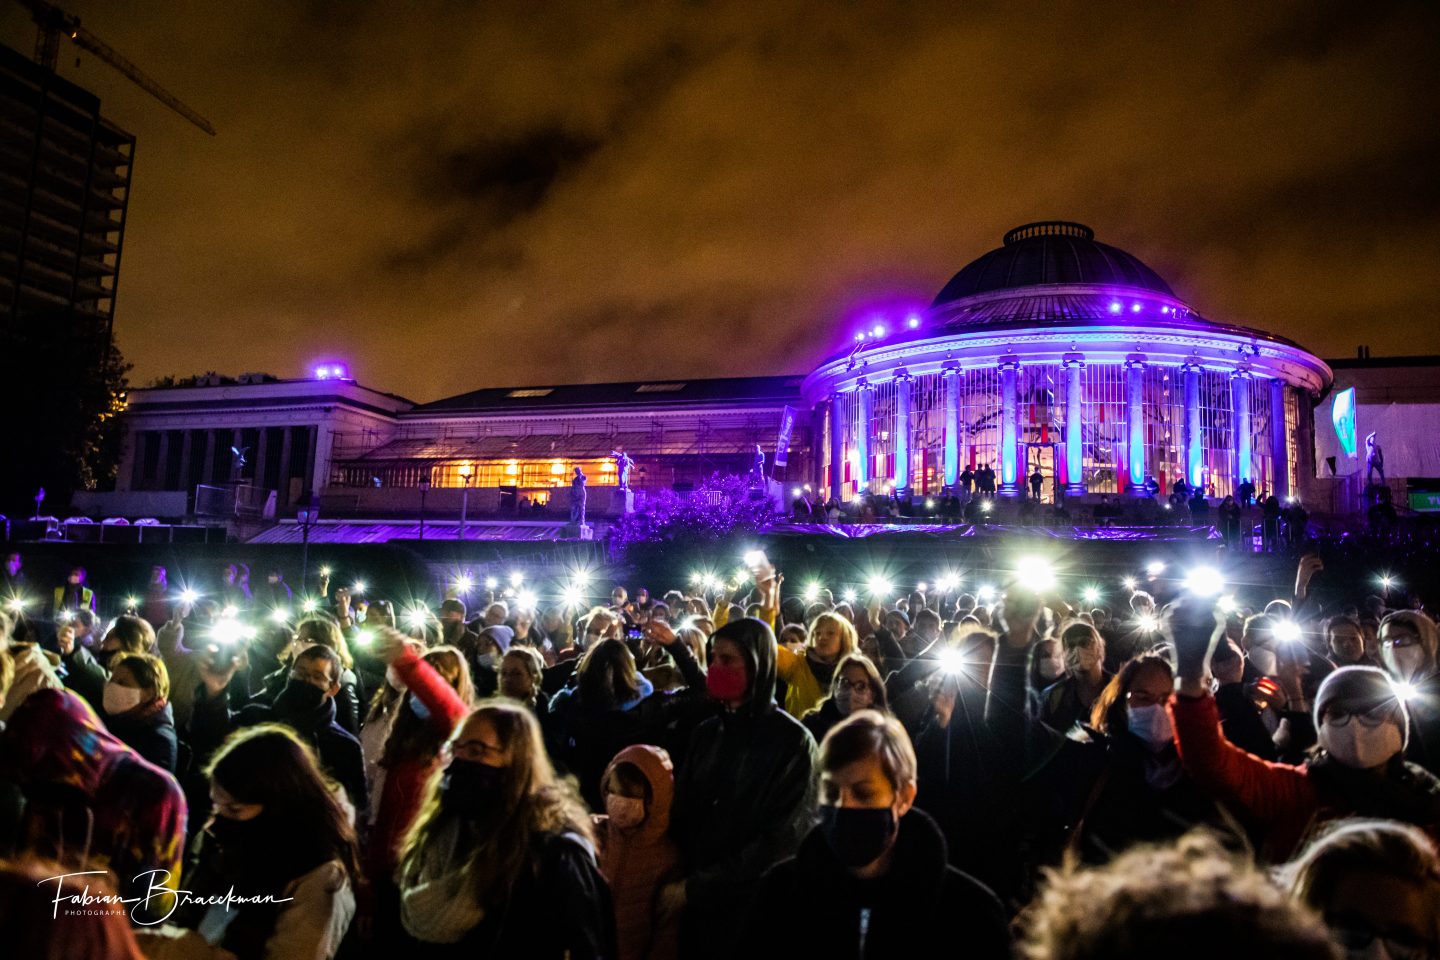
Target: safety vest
87,598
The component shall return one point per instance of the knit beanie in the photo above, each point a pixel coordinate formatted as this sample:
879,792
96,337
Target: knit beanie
1358,690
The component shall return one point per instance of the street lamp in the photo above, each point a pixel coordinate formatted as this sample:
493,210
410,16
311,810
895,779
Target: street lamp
307,514
467,473
424,489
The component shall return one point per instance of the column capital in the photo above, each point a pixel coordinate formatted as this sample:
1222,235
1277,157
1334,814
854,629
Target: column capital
1010,361
902,375
863,384
1073,360
1136,360
1241,372
950,368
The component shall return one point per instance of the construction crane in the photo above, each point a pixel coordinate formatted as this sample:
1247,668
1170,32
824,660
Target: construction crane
51,23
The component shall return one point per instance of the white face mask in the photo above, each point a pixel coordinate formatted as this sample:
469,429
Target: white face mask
1052,668
392,677
1151,724
1408,662
117,699
1359,746
1265,660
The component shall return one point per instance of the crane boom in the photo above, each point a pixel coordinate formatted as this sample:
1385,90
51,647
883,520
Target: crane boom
51,21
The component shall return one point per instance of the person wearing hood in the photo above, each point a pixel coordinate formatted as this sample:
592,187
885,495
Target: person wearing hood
1358,770
306,704
1409,647
1069,700
746,791
92,803
637,855
485,654
501,860
598,716
855,686
136,706
872,878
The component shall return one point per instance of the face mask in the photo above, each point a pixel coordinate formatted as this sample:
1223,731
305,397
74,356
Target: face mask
418,708
488,661
117,699
1409,661
1151,724
1264,660
1052,669
471,788
726,684
232,834
857,836
625,812
298,698
393,678
848,701
1359,746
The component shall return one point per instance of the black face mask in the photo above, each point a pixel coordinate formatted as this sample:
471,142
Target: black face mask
857,836
470,788
299,698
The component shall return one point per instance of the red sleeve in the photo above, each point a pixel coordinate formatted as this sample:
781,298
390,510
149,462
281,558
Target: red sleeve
445,706
1272,792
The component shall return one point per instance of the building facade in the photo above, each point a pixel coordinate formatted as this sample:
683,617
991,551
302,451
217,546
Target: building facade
1059,354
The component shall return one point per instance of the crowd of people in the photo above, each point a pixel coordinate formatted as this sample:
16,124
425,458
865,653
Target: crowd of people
722,769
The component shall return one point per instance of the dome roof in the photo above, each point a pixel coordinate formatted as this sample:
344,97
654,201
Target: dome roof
1051,252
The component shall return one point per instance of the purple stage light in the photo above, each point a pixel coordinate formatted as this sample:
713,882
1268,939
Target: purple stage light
331,371
1134,308
913,322
878,331
1114,306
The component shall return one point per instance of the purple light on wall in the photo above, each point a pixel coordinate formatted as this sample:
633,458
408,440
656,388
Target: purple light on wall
1134,308
1114,306
878,330
913,322
331,371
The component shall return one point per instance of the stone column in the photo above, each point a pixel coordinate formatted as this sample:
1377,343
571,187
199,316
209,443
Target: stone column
1244,438
1194,435
864,413
950,378
903,382
837,448
1279,441
1074,426
1135,422
1009,432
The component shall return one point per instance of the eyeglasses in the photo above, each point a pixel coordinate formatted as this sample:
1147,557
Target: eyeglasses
1397,640
1370,719
854,686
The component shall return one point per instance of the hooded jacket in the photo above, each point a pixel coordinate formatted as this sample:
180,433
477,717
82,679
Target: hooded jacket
92,800
811,906
584,737
744,798
639,862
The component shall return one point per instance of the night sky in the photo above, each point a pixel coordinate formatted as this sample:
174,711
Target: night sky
456,195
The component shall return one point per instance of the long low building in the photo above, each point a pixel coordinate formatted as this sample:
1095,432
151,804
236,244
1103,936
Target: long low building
1053,354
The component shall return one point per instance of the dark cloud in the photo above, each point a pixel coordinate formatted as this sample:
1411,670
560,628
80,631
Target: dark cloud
454,194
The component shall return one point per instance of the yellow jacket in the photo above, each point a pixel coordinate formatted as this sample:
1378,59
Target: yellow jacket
802,689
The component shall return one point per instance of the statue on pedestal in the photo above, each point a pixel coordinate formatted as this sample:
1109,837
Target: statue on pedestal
623,463
577,497
1374,460
757,471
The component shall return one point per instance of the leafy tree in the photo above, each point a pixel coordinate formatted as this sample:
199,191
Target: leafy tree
722,508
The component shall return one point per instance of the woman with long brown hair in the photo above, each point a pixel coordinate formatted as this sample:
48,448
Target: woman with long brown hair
501,860
279,833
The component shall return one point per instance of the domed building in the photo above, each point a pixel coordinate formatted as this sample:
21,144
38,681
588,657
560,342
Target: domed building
1058,353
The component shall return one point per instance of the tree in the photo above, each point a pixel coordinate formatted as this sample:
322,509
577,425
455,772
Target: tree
67,386
721,508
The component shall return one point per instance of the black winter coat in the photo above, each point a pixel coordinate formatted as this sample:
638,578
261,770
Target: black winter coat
810,905
152,736
744,798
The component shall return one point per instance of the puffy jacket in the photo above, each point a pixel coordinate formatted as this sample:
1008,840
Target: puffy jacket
1288,802
639,862
152,735
744,798
803,689
810,905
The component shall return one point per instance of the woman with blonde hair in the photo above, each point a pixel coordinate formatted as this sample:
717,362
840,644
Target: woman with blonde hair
501,861
807,676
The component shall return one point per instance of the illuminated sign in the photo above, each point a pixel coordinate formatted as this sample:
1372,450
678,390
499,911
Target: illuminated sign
1342,414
